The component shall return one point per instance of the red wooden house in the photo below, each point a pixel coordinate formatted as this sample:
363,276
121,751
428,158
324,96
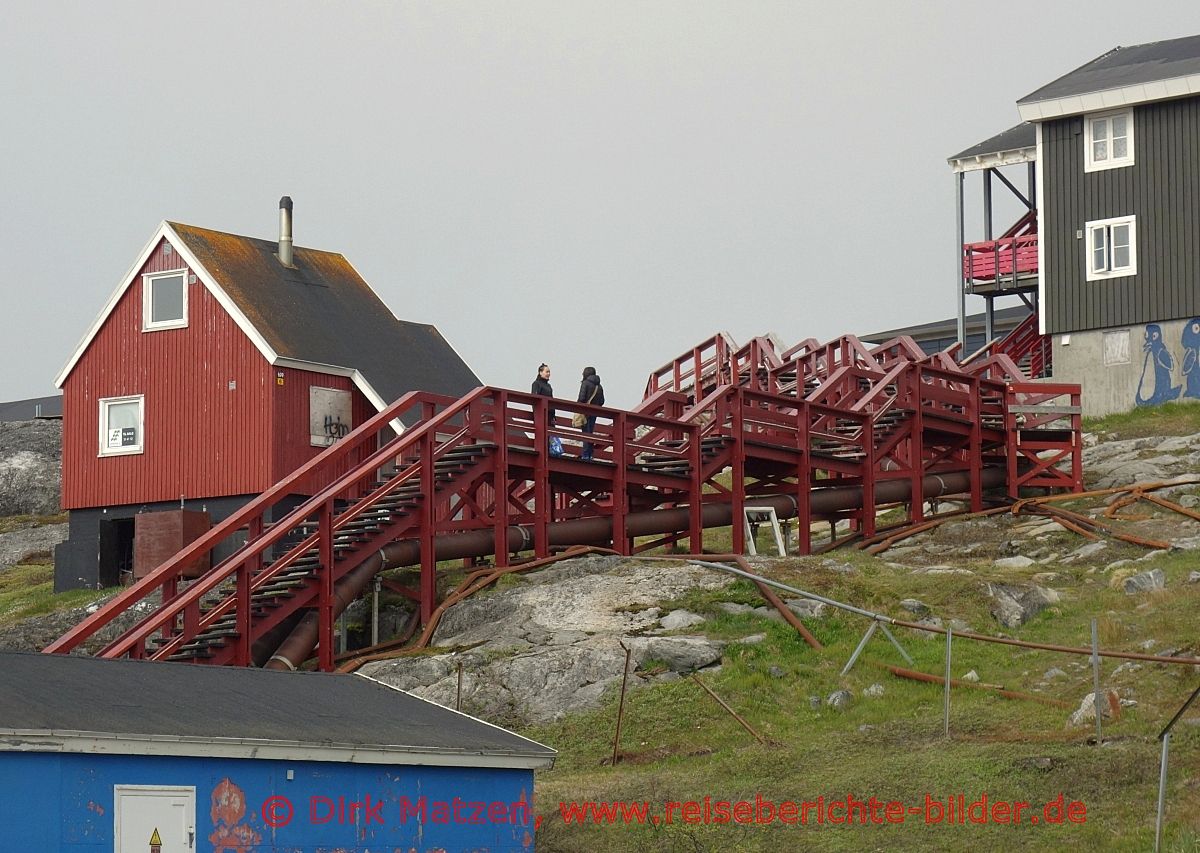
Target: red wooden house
219,365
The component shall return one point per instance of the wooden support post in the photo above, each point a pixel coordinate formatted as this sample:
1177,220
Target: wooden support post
501,487
738,482
541,481
696,488
428,579
621,541
916,448
803,475
325,595
975,452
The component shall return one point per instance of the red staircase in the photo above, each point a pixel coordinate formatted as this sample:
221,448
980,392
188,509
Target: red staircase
820,431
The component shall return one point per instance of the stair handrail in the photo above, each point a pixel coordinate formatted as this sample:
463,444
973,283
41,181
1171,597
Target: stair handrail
170,570
694,364
294,519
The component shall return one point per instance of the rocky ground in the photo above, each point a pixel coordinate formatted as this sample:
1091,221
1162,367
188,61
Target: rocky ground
30,467
551,642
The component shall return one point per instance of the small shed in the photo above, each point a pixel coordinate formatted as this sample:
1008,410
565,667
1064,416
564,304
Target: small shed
145,757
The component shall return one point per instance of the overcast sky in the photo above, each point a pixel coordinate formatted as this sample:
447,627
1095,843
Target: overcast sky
601,183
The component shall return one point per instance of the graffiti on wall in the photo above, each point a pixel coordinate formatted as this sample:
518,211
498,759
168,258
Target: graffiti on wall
328,415
1159,382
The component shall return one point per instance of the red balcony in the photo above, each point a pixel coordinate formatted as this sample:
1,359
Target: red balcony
1005,260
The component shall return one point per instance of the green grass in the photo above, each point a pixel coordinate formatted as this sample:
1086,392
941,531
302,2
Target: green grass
679,745
28,590
1168,419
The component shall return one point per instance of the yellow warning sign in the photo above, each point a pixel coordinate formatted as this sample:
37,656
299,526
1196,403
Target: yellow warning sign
154,839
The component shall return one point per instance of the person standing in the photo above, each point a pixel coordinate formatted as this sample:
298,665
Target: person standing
541,387
592,393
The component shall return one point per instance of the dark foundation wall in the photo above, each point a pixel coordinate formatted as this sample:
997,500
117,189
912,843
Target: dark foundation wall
98,552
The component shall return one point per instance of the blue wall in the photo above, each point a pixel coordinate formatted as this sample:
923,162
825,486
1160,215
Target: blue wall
64,802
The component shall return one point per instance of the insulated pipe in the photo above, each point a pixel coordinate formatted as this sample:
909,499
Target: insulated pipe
285,231
593,531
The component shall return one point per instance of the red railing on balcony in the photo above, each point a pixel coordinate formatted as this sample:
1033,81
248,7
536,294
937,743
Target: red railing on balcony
1013,254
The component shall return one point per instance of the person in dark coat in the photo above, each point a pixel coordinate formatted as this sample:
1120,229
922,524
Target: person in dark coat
591,392
541,386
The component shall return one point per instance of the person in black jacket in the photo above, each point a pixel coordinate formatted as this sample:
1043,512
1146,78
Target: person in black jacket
591,392
541,386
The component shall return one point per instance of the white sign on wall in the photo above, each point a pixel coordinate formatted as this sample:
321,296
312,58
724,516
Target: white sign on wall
1116,347
328,415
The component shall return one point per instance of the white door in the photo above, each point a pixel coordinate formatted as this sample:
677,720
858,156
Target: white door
154,819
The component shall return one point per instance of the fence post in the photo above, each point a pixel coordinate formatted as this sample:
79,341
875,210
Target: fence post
1096,681
946,699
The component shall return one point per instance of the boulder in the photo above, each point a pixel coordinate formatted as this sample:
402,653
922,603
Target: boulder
1110,705
806,608
1016,604
1145,582
839,700
1091,549
914,606
680,619
1017,562
680,654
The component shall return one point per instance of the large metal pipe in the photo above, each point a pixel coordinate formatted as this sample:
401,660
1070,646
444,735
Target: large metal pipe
285,231
596,531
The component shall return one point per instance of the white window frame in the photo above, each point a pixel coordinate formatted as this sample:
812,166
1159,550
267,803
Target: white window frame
1107,272
148,280
1090,164
132,449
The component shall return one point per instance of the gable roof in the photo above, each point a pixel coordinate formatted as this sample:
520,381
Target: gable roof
318,315
75,703
1121,77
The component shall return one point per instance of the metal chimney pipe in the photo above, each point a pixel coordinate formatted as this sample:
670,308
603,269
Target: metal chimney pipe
285,231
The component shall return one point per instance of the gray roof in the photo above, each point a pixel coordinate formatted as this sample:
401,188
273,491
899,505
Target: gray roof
1005,318
1016,138
321,310
1126,66
41,692
35,407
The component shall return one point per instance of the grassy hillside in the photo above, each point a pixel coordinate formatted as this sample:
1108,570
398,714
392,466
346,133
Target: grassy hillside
678,745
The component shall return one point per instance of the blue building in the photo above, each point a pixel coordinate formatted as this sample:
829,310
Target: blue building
124,755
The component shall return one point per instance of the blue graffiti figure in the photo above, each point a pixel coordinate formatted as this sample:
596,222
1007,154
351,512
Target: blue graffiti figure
1191,350
1157,352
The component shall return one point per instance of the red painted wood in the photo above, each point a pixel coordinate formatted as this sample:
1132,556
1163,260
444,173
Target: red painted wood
202,437
216,420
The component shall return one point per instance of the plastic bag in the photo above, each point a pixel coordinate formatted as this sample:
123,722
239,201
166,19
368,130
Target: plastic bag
556,446
578,421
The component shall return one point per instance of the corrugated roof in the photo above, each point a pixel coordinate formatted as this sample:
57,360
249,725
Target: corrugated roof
322,311
1125,66
40,692
1023,136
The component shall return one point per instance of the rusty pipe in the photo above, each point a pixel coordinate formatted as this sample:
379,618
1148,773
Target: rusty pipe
598,531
